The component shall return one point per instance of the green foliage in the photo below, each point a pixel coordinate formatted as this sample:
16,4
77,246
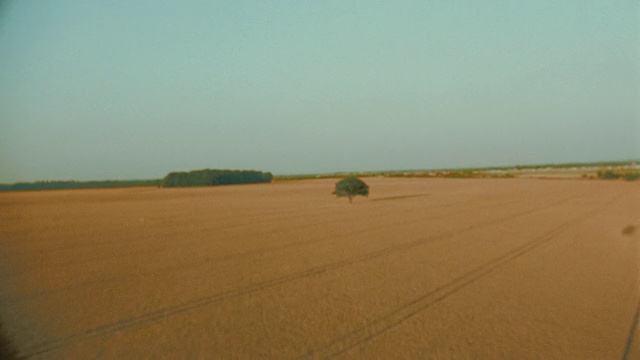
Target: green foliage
482,172
629,175
461,174
54,185
351,187
209,177
566,165
174,179
608,175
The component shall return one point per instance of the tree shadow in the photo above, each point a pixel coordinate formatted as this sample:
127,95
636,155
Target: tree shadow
400,197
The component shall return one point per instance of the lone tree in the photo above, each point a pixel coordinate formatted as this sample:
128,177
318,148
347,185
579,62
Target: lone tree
351,187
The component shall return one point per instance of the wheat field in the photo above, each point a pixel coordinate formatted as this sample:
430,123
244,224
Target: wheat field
422,268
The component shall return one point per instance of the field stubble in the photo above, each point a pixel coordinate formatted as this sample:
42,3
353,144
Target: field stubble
441,268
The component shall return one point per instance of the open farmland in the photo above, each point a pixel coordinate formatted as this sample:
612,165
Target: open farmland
422,268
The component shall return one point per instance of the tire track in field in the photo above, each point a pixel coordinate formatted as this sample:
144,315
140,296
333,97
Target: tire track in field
168,247
632,332
259,251
265,216
85,260
79,261
382,215
242,254
633,329
259,214
289,215
264,213
252,252
379,326
163,313
270,219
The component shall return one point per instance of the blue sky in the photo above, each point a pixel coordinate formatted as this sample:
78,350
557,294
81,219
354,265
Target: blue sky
136,89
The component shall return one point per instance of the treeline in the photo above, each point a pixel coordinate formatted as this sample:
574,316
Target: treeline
629,175
54,185
209,177
562,165
175,179
455,175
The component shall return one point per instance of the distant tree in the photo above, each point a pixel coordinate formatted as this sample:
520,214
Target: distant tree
351,187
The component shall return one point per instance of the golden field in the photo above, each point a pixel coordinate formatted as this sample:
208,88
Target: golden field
422,268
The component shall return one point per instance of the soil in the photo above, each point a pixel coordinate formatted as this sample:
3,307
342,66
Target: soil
442,268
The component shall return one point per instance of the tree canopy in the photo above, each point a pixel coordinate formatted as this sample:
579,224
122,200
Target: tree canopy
351,187
208,177
70,184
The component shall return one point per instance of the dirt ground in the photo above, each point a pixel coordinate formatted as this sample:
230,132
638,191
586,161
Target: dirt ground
422,268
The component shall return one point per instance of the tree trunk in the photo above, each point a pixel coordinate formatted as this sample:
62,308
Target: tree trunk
350,199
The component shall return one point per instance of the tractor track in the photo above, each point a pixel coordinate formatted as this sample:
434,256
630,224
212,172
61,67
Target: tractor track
252,252
163,313
379,326
170,247
259,251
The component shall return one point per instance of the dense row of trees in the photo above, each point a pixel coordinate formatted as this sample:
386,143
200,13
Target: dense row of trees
175,179
52,185
209,177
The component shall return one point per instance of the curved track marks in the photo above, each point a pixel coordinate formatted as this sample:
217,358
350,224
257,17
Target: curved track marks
370,330
163,313
632,332
264,250
261,233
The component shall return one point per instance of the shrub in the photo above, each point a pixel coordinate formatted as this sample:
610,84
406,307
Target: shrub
629,175
608,175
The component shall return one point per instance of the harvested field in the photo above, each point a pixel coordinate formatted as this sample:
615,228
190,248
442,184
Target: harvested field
442,268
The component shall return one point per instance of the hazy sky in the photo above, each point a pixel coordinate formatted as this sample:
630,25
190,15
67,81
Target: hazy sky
135,89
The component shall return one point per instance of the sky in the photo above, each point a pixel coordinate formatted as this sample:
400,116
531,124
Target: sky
93,90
